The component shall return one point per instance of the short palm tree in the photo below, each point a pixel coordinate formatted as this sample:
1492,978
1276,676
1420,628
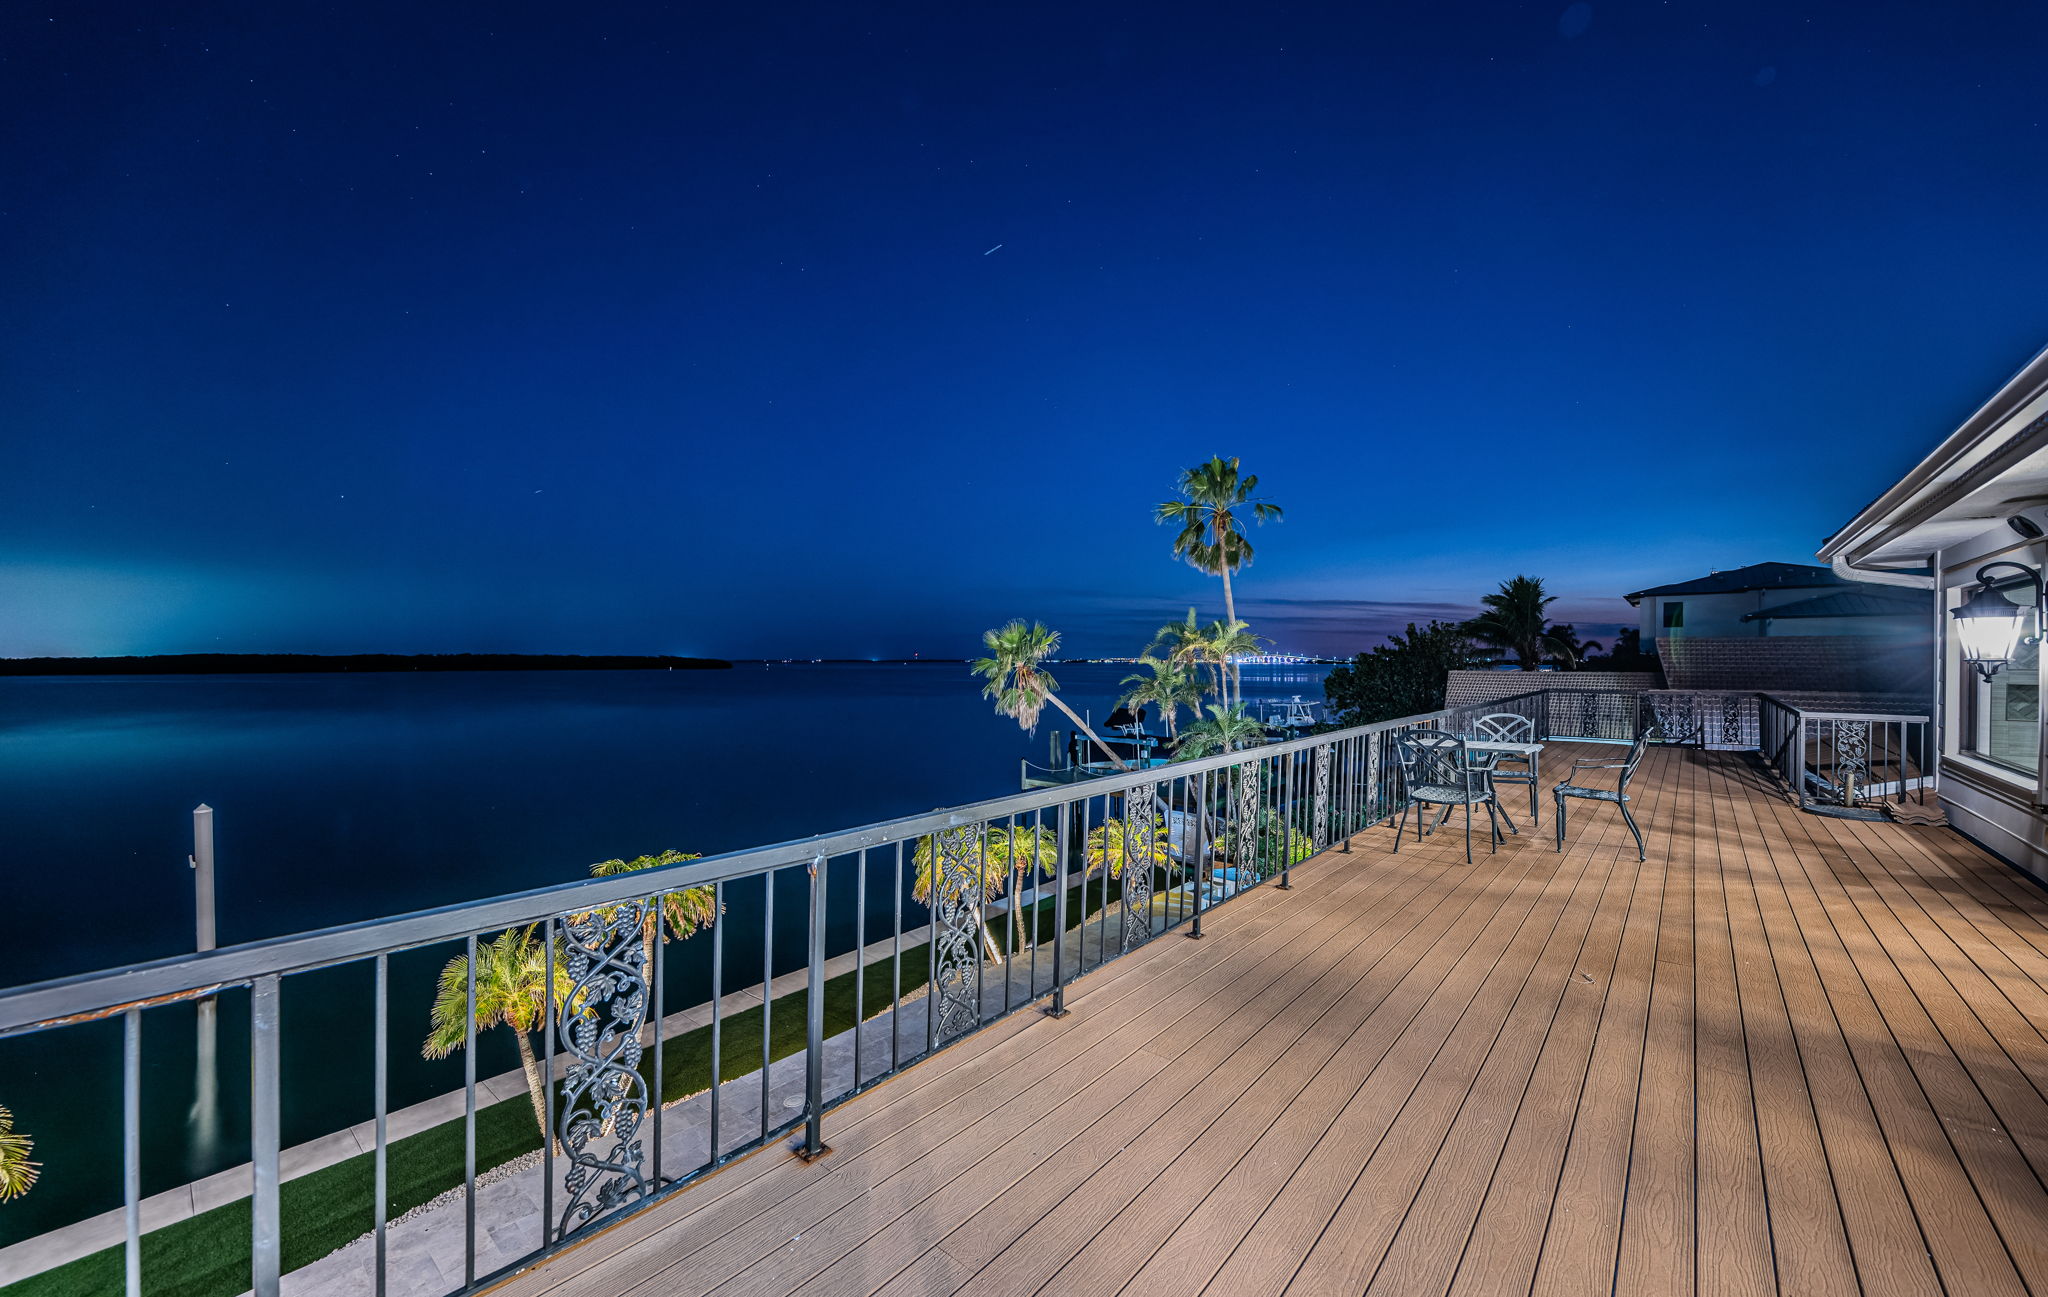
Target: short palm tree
1116,844
1224,729
1218,498
1170,686
1185,644
1222,643
682,914
17,1173
975,863
511,991
1516,622
1019,683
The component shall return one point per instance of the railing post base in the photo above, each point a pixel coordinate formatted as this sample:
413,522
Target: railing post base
1058,1008
802,1148
1284,885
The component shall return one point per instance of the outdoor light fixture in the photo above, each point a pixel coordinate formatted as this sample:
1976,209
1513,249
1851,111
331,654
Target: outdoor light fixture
1988,624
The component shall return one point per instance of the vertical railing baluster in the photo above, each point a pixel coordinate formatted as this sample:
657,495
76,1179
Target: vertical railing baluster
656,974
1204,867
1037,886
469,1112
717,1008
265,1097
860,955
551,1019
767,985
131,1146
1013,887
983,938
896,965
935,881
814,1030
1289,804
1058,1008
382,1085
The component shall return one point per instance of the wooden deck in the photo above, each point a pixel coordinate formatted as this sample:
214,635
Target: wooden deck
1789,1054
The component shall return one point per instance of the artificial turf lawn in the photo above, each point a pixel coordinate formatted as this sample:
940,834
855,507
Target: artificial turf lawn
208,1255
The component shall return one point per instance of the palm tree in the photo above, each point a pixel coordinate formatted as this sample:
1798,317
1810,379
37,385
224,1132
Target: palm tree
1019,683
1222,643
511,991
1171,686
1185,644
1114,845
975,863
1225,729
1211,535
17,1173
1575,649
1515,622
683,913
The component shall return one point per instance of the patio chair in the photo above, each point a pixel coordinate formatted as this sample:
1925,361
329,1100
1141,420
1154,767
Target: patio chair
1512,767
1618,794
1437,769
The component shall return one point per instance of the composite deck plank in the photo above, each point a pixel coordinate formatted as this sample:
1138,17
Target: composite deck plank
1889,1251
1811,1059
1196,1070
1149,1136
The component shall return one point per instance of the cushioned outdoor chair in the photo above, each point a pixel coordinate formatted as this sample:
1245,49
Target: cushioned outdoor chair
1617,794
1512,767
1437,769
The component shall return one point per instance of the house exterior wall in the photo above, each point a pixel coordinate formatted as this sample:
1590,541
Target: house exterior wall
1719,616
2004,809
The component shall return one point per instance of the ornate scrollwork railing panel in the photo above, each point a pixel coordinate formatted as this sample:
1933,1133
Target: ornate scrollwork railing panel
1319,831
604,1098
956,917
1141,831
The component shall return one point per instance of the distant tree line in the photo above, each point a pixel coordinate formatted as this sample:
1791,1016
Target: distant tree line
275,663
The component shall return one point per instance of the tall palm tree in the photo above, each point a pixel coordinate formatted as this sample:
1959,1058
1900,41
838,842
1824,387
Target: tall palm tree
1516,621
1222,643
17,1173
1019,683
1211,517
1186,644
975,863
682,913
511,991
1171,686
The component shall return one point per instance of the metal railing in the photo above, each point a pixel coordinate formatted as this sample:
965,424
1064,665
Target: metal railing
1011,900
1847,761
985,909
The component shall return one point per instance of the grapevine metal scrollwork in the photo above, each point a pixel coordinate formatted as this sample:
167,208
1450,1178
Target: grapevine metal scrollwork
1141,833
1852,756
1678,716
1319,834
604,1098
1245,844
956,913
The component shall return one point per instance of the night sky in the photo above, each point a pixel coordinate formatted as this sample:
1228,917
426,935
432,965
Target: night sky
594,328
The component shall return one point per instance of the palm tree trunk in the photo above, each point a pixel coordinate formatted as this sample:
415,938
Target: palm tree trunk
1082,725
534,1085
1230,618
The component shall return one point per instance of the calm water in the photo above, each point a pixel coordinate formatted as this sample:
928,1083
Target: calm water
341,798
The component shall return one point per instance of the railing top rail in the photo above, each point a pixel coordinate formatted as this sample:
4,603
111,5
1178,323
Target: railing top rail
1842,715
91,995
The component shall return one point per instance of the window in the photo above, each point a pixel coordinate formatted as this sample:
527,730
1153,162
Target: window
1674,616
2002,716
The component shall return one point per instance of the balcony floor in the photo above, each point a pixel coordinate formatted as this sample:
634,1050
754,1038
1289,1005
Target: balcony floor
1788,1054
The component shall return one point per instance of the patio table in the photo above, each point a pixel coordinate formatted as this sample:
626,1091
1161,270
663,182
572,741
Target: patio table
1533,751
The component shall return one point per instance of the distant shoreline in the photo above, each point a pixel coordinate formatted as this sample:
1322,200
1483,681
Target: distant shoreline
307,663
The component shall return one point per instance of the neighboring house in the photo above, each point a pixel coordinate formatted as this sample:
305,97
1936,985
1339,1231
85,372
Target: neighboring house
1475,685
1775,599
1978,497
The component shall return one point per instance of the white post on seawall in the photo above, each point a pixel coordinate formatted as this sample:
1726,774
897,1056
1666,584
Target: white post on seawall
202,874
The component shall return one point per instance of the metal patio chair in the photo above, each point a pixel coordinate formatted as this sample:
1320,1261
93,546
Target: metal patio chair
1437,769
1618,794
1512,767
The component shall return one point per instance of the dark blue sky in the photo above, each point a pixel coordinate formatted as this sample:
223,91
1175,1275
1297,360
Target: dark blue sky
621,328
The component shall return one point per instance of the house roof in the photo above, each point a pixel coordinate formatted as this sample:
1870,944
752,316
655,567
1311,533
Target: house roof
1874,601
1757,576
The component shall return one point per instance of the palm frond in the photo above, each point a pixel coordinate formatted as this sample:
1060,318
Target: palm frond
17,1173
